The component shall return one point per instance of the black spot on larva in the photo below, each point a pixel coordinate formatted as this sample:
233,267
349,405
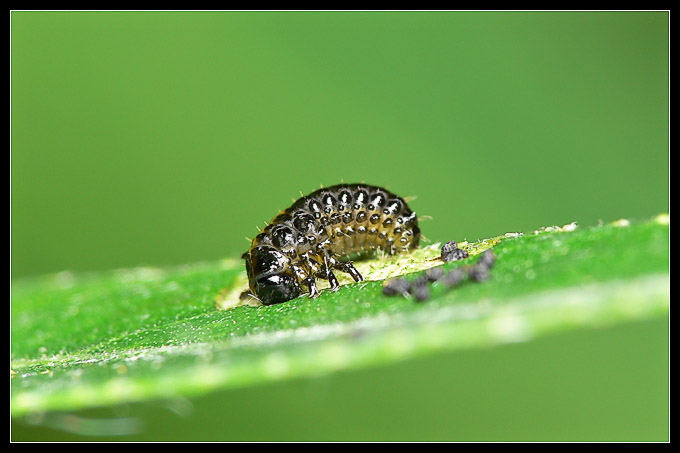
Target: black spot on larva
360,198
392,208
410,220
309,239
304,221
283,236
262,238
329,203
315,208
377,201
345,197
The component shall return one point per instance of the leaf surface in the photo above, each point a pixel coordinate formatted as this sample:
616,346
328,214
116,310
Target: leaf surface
97,339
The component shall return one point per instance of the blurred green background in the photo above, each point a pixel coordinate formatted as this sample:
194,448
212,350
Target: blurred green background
165,137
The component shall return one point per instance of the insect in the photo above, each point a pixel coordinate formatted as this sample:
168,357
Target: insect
316,235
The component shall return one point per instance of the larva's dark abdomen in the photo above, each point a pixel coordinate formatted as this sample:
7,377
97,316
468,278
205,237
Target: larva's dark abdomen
307,240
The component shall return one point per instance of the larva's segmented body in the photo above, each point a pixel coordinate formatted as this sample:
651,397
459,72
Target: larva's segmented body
307,240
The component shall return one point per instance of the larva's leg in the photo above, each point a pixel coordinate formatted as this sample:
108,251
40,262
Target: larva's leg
332,279
324,271
329,262
306,277
351,270
313,292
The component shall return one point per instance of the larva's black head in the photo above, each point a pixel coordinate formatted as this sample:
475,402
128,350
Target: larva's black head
276,288
269,275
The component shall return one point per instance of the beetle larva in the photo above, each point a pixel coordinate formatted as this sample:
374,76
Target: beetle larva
313,237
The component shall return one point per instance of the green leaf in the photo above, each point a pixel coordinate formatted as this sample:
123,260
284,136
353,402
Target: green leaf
97,339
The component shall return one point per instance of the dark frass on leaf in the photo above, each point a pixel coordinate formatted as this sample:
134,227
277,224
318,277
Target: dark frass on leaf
451,252
417,288
453,278
395,286
434,274
487,259
420,287
480,271
421,293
